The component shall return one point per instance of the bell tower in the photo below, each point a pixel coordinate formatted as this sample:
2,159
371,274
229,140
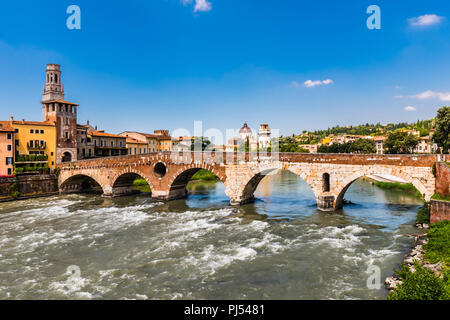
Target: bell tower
62,113
53,89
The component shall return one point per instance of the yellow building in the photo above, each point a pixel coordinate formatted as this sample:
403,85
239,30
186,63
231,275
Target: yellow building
35,138
164,139
137,146
326,140
159,141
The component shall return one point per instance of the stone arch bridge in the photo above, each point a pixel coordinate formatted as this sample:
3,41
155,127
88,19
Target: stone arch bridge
328,175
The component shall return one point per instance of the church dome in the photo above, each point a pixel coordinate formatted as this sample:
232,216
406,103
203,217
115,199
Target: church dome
245,129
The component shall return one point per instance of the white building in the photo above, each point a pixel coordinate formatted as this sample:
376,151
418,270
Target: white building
260,141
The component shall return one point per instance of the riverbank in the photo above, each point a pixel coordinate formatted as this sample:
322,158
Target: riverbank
425,271
394,186
202,175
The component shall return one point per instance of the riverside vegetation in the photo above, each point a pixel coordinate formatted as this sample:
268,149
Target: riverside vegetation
425,273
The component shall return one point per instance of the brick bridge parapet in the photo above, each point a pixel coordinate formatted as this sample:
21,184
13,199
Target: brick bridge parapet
328,175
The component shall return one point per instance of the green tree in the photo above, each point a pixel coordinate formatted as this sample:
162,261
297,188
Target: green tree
362,146
358,146
200,143
290,144
400,143
442,134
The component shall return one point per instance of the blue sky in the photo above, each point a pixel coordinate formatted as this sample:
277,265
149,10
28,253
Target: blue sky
298,65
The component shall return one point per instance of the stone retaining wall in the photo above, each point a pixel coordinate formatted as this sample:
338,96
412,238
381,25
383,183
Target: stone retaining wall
439,211
442,179
29,184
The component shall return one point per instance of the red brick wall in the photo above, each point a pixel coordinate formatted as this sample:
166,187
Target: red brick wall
442,179
439,211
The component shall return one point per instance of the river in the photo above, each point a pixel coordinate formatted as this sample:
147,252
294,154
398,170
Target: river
83,246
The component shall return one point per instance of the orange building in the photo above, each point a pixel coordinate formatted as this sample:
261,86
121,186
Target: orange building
6,148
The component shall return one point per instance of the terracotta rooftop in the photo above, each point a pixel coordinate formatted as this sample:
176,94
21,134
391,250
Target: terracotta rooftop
156,136
181,138
34,123
104,134
132,140
5,126
379,138
60,101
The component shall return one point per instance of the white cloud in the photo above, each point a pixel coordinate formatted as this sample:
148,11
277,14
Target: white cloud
443,96
425,20
410,108
312,84
200,5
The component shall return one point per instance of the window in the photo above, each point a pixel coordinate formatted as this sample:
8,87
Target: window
31,131
9,136
9,161
30,144
9,171
134,150
51,153
17,142
66,134
42,131
326,182
9,147
16,130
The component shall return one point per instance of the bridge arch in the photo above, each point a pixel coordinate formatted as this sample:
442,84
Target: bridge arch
81,183
122,182
179,179
347,181
247,188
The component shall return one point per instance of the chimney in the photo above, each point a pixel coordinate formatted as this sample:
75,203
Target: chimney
87,122
12,118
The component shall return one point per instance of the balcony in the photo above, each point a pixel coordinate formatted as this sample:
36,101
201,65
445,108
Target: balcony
31,158
32,146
